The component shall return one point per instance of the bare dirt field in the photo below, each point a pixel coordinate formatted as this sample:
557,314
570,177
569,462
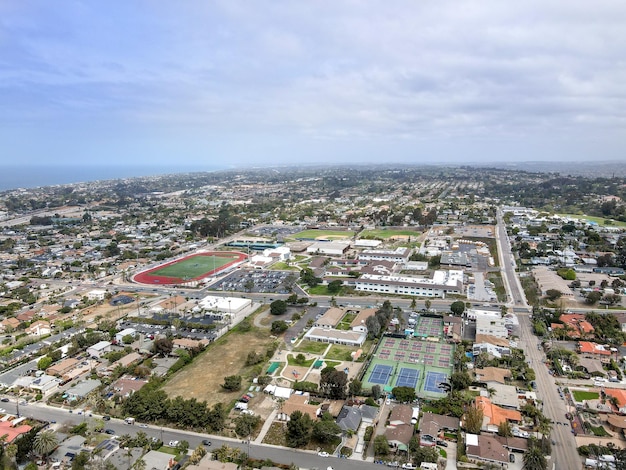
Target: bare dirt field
202,379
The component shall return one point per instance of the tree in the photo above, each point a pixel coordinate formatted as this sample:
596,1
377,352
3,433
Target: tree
45,442
553,294
278,307
426,454
163,346
325,430
381,445
457,307
427,304
460,380
505,429
334,286
534,458
373,326
182,447
197,455
354,387
376,392
473,419
232,382
298,429
333,383
593,297
278,327
404,394
44,363
245,424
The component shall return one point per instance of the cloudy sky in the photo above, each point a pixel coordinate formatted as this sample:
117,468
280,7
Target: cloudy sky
267,82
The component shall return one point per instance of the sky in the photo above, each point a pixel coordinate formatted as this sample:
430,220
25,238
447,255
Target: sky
257,83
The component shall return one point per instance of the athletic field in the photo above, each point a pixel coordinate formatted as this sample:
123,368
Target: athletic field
191,268
322,235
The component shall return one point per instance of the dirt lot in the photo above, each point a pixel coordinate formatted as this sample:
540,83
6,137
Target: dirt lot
203,378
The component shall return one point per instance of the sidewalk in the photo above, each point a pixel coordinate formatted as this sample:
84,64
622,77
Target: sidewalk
266,426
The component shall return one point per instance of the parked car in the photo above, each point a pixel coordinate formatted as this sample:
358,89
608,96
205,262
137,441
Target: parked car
393,464
173,443
4,400
206,442
512,458
109,431
442,443
323,454
409,466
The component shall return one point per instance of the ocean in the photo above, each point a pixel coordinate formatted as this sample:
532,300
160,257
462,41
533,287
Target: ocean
13,177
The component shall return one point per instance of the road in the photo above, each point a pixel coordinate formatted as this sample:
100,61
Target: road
564,452
305,459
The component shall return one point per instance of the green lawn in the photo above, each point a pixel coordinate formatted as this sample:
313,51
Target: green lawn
329,234
331,363
291,360
312,347
581,395
388,233
193,267
597,220
340,353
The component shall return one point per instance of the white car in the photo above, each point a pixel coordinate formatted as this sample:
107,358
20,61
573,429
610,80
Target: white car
143,425
408,466
173,443
323,454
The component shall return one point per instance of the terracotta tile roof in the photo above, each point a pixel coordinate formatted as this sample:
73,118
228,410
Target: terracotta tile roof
496,414
588,347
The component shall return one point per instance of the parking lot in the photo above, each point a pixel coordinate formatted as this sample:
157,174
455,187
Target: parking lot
259,282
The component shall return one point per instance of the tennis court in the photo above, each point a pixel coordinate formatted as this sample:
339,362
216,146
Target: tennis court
411,362
407,377
380,374
429,327
433,380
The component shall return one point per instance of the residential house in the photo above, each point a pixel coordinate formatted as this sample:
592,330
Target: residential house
119,336
591,349
494,415
61,368
399,436
99,349
82,389
620,398
487,375
486,448
400,414
301,403
9,324
349,418
432,426
575,325
125,386
12,429
38,328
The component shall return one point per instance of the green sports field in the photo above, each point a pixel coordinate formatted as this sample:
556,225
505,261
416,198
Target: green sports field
193,267
384,234
328,234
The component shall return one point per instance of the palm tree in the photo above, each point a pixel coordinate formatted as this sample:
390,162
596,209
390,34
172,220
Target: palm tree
45,442
140,464
545,426
534,458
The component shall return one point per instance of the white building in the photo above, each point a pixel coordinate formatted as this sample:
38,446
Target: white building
328,248
96,294
119,336
100,348
442,283
492,326
224,305
399,255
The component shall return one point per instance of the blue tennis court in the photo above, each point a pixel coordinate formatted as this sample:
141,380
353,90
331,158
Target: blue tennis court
380,374
407,377
433,379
